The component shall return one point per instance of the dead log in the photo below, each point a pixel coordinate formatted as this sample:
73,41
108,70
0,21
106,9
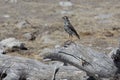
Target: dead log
84,58
18,68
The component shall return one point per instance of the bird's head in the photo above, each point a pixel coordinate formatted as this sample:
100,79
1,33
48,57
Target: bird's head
65,18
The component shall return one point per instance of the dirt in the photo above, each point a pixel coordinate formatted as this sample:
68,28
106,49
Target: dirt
96,21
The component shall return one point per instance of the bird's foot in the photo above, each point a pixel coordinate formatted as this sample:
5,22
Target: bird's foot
67,43
85,63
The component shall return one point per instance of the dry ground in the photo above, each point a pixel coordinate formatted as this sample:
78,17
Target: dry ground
96,21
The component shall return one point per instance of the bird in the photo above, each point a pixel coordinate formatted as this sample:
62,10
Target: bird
68,27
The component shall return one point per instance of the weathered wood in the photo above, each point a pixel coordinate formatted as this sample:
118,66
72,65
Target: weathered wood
17,68
84,58
33,70
70,73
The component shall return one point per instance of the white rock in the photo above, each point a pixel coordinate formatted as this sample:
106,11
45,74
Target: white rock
103,16
45,50
57,46
66,12
109,48
10,43
46,24
29,36
11,1
22,24
105,21
6,16
63,79
47,39
65,3
90,45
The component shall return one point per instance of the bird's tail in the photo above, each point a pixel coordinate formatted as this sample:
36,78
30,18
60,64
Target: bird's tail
78,36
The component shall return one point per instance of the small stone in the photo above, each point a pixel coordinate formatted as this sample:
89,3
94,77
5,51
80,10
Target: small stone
90,45
47,39
115,28
65,3
29,36
103,16
109,48
108,34
44,51
57,46
6,16
66,12
23,24
11,1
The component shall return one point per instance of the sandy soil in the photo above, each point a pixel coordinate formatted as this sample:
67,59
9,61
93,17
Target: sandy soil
96,21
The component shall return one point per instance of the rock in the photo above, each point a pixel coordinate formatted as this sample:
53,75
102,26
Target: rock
12,44
108,34
103,16
65,3
105,21
11,1
109,48
29,36
66,12
6,16
23,24
47,39
44,51
57,46
115,28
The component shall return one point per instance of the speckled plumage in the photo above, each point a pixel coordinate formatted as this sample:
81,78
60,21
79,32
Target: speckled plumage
69,28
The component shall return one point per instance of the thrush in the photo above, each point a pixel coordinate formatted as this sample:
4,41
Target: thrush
69,28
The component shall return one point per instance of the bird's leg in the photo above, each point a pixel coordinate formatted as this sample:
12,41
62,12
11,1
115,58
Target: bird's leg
84,62
70,38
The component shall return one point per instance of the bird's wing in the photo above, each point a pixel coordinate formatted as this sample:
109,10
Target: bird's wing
73,29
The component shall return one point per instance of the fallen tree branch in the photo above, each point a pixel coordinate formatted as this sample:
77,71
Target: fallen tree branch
92,62
17,68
